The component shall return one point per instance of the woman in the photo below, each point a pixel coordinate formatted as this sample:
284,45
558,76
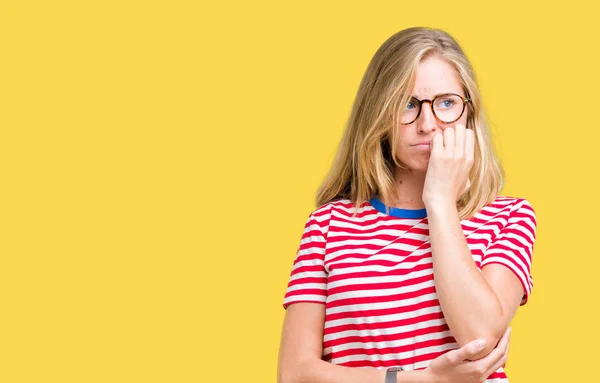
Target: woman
413,193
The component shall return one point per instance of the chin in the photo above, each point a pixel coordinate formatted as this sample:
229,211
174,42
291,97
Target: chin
418,165
417,162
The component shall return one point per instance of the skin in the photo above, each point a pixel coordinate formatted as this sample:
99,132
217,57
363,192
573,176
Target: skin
433,76
476,303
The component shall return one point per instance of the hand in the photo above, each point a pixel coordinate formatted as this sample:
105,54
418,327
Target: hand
451,160
455,366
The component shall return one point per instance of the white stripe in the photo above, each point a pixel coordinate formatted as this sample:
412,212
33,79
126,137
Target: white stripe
304,297
381,292
308,274
382,305
386,331
302,286
383,318
382,279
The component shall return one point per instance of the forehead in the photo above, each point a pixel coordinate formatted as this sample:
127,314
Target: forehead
433,76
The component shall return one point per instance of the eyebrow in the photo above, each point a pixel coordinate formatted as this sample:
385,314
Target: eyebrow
435,95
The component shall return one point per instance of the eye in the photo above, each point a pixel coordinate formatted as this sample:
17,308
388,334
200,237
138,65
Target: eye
411,104
446,102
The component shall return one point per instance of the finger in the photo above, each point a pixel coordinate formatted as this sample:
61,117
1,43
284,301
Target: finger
495,366
503,344
493,357
449,140
500,363
466,352
506,361
509,332
470,145
459,140
437,143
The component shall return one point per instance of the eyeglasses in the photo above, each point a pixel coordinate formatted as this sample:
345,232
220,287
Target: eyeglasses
447,108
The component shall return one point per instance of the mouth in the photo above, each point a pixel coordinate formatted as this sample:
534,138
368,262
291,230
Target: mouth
422,146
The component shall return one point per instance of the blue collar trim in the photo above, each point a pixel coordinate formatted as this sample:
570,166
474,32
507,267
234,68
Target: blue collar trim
397,212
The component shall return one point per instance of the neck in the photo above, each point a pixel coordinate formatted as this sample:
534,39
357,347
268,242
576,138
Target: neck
409,188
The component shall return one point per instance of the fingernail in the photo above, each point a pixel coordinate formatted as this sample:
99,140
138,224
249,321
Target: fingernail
480,343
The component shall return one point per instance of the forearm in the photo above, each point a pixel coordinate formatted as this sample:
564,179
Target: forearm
470,306
319,371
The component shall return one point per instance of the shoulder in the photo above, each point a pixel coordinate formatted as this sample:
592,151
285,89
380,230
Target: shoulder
509,204
341,210
343,207
508,211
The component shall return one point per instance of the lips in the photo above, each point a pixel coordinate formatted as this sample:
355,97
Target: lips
423,146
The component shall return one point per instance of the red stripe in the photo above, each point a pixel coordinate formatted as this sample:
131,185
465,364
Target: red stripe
386,298
388,337
301,281
383,325
397,350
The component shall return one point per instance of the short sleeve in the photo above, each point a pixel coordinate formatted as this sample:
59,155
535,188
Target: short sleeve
308,279
513,246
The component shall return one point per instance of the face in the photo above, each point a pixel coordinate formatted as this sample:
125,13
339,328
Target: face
434,76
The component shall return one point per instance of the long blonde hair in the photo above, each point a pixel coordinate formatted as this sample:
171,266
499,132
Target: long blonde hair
364,164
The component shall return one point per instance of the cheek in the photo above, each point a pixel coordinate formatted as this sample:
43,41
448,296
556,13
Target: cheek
401,147
404,151
403,137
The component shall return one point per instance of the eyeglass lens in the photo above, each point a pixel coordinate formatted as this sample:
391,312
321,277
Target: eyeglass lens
447,108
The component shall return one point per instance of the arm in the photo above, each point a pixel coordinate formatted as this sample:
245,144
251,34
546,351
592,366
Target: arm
301,348
475,304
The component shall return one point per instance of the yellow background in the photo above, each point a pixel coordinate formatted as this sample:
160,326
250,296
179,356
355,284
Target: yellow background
159,160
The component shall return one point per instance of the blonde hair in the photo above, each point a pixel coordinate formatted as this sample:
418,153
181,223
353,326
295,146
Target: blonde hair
364,164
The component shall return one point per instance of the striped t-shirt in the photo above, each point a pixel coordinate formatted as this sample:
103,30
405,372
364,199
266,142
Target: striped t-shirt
374,273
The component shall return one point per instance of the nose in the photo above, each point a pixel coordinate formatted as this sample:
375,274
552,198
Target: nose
427,121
